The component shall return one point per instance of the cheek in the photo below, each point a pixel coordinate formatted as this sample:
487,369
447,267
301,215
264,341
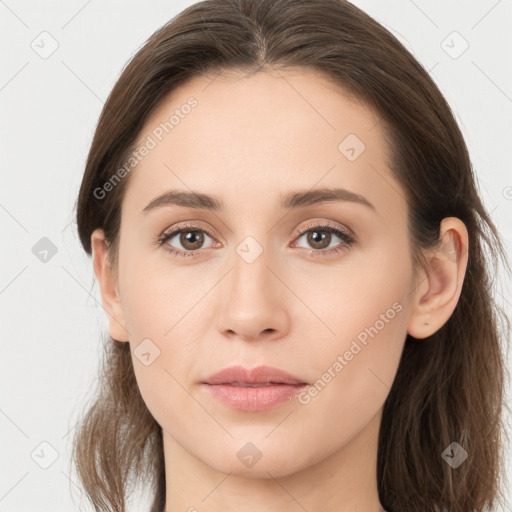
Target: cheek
354,371
163,315
154,297
364,313
370,288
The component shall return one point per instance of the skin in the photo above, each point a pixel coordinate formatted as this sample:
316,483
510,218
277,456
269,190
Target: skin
250,139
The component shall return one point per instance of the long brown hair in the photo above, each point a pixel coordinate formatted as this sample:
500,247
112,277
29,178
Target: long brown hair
450,386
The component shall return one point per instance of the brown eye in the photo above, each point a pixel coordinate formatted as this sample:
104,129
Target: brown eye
191,240
318,239
186,241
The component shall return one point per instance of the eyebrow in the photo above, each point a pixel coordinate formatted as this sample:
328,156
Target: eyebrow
297,199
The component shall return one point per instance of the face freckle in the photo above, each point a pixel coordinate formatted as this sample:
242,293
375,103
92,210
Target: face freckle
265,162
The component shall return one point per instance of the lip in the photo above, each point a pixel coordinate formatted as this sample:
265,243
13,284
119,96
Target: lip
256,389
258,375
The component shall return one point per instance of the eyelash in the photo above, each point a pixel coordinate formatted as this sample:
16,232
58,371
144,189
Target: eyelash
347,239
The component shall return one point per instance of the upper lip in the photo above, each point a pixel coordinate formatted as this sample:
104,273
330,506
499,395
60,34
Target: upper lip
259,374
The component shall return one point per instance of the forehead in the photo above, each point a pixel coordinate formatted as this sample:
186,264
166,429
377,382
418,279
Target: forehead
270,131
297,102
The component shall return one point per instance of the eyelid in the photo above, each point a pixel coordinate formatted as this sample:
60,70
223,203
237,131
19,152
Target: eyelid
192,225
325,223
299,231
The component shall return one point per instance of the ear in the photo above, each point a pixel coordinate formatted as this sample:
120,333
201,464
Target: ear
108,286
437,292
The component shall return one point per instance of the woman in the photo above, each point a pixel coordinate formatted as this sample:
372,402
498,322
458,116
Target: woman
289,243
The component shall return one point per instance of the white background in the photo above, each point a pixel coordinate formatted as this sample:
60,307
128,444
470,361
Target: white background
51,318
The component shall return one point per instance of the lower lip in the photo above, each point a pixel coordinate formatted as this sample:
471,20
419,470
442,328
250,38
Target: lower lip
260,398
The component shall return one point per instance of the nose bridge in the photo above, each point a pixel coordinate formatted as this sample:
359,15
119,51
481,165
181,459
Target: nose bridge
251,278
255,259
253,302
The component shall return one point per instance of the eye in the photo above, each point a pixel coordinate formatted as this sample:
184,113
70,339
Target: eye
191,239
320,237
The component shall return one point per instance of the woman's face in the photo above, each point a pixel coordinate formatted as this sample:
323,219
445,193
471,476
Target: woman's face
258,278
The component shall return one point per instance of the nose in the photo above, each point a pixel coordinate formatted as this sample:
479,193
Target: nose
254,305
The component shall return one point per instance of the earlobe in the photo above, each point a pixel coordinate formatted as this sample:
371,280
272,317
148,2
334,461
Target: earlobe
438,291
108,287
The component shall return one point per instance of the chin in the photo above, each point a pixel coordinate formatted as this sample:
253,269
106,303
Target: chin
257,460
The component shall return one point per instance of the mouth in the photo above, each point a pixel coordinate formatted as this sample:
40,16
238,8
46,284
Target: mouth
259,389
